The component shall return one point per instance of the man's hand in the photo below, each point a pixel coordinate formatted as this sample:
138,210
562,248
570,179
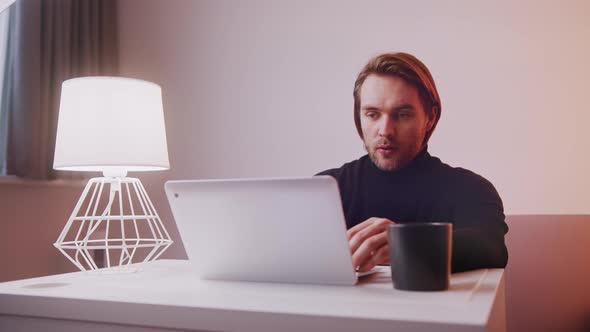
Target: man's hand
368,243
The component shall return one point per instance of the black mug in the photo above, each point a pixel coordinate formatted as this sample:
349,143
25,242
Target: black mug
420,255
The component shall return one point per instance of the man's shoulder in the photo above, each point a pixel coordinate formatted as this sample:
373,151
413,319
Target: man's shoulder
466,181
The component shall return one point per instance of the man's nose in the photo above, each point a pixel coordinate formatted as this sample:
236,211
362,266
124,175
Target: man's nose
386,127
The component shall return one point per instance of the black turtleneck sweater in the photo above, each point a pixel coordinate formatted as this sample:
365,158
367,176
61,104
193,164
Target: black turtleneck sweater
427,190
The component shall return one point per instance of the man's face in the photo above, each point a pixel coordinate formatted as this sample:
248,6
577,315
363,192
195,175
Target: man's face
393,121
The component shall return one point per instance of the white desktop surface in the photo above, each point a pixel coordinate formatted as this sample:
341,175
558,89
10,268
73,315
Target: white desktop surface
165,295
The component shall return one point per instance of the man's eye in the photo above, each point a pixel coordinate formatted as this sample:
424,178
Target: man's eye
405,115
371,115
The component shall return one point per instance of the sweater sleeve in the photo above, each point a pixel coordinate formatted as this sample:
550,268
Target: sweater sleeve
478,227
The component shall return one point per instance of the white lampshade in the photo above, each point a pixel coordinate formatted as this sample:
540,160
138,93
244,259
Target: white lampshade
110,124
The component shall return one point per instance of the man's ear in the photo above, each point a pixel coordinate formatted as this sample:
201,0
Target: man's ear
432,118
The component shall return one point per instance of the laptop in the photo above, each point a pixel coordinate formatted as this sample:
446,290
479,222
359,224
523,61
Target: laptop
288,230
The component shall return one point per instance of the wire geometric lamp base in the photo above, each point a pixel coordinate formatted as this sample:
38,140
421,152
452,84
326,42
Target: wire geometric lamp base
113,233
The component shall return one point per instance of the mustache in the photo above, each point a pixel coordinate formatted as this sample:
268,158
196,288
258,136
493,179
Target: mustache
385,142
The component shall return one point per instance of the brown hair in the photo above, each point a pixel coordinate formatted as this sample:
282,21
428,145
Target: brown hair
409,68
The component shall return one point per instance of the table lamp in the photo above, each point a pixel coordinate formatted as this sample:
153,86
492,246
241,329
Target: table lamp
111,125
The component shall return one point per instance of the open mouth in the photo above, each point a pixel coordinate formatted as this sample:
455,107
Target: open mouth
386,151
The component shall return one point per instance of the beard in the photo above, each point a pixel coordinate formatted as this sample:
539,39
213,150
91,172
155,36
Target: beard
397,157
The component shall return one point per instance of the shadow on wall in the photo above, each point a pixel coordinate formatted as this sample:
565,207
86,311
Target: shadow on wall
32,215
547,286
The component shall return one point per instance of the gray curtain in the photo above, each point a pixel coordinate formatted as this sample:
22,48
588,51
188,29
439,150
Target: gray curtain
6,89
51,41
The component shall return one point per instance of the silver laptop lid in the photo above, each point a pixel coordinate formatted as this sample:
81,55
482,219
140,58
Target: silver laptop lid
272,230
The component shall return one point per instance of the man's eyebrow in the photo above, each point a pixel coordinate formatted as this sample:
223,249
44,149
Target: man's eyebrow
402,107
369,108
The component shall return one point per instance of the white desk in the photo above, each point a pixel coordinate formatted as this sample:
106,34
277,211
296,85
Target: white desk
165,296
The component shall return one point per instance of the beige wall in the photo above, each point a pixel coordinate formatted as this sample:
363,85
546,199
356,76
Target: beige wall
32,215
263,88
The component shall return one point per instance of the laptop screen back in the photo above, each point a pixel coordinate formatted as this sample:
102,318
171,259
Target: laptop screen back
271,230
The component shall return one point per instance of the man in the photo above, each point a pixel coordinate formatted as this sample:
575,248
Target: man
396,109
